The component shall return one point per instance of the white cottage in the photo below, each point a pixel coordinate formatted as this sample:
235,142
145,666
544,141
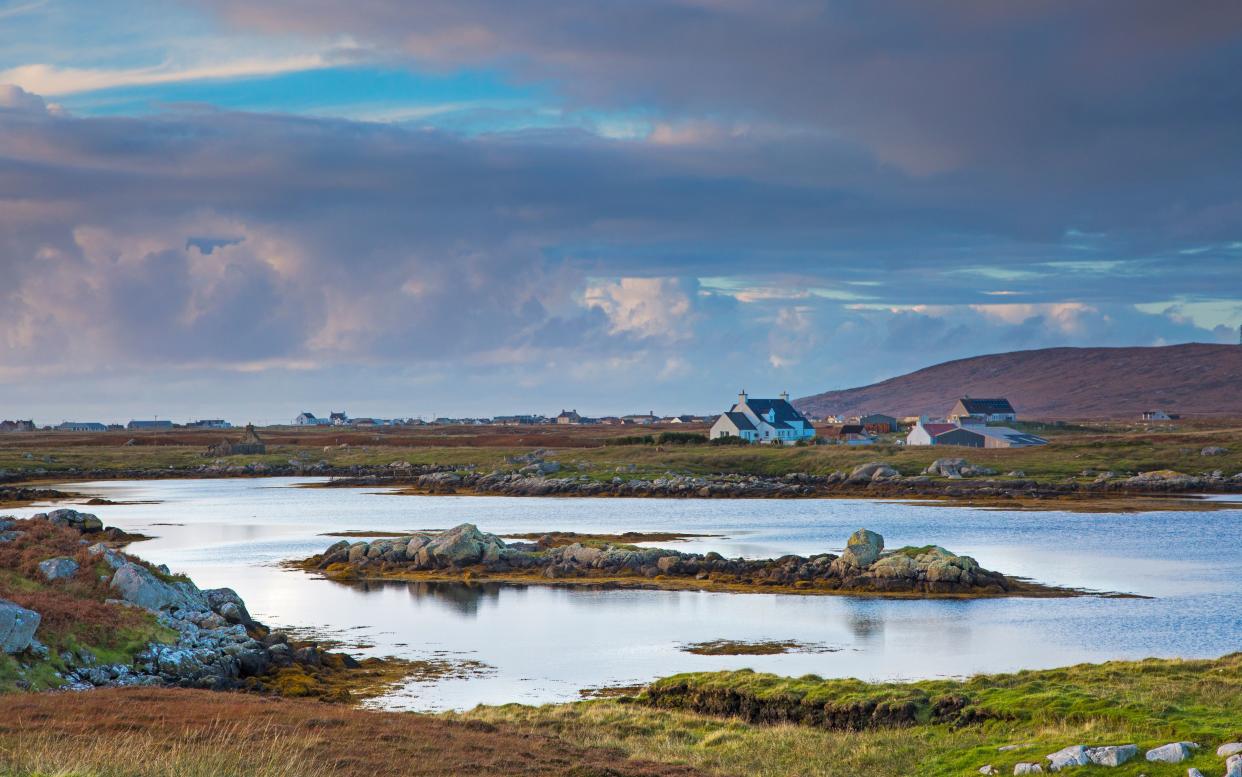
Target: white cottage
763,421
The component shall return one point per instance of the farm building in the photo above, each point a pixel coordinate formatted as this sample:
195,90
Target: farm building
987,410
763,421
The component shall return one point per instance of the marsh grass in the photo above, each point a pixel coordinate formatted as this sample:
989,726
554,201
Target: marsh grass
1147,703
141,752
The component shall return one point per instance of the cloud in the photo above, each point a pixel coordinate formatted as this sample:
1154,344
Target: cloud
57,81
14,98
646,307
259,261
1053,89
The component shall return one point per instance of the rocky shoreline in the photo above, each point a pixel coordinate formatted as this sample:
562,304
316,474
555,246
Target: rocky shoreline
209,638
464,553
946,478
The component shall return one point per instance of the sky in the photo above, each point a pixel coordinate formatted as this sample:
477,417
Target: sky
218,208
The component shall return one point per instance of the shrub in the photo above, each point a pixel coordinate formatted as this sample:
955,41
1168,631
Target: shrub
681,438
633,439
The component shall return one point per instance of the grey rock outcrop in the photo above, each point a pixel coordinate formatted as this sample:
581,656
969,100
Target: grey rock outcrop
873,471
86,523
1028,768
1074,755
137,585
1112,755
111,557
1172,753
864,566
863,548
1228,749
17,626
57,568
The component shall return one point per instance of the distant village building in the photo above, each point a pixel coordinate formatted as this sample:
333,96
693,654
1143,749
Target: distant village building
309,419
848,434
210,423
568,417
81,426
149,426
338,419
987,410
763,421
971,435
518,420
17,426
925,432
642,419
1159,415
684,419
878,423
249,445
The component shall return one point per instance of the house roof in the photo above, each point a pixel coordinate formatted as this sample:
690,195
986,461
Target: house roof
740,421
785,412
1022,438
994,406
844,429
935,429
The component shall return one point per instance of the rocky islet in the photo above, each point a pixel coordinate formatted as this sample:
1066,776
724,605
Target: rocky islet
466,553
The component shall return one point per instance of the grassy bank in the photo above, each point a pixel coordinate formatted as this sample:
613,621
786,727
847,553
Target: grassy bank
584,451
1147,703
76,616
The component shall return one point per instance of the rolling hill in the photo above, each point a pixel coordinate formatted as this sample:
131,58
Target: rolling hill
1192,379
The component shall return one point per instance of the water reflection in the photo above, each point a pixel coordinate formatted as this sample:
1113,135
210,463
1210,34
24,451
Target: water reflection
547,643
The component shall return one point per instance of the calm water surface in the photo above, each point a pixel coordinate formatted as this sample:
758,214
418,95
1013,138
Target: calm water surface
545,644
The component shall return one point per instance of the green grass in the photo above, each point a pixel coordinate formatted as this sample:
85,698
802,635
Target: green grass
1073,450
1148,703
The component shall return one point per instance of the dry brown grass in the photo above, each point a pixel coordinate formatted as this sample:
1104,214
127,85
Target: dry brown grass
162,733
70,607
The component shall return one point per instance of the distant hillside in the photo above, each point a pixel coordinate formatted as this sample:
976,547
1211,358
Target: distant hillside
1192,379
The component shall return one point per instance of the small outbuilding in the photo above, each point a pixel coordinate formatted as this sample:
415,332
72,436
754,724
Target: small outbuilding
249,445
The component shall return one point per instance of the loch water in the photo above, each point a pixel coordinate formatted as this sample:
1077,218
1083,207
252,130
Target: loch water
536,644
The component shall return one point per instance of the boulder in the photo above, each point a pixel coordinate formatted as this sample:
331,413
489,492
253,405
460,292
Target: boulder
1228,749
110,556
896,567
17,626
461,546
989,769
57,568
1172,753
875,470
358,551
1213,450
946,468
1112,755
83,522
137,585
1233,766
1074,755
863,549
1025,768
228,605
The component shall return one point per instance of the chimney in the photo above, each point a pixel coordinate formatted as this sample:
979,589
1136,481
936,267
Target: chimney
785,395
741,397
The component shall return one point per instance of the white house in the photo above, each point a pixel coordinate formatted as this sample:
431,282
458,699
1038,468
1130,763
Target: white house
925,432
970,435
763,421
